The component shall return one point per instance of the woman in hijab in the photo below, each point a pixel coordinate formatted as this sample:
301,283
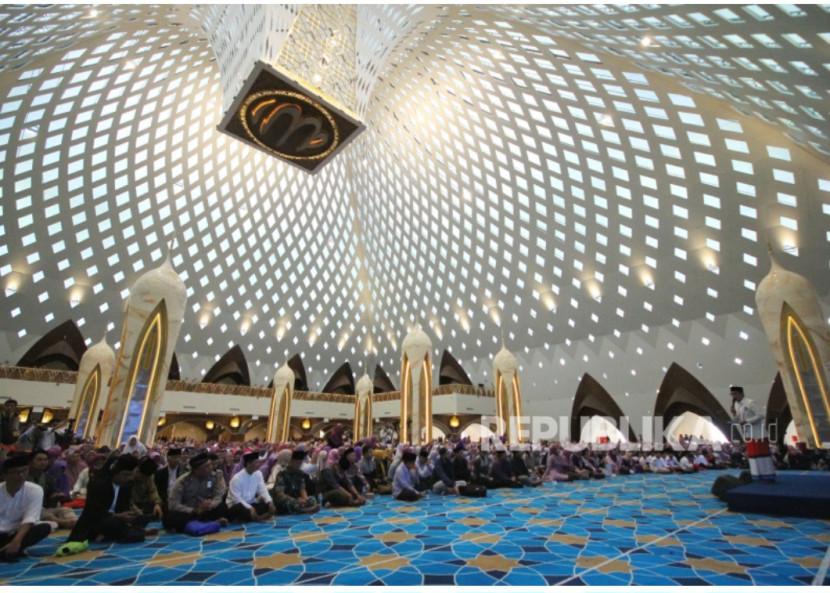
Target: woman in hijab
282,459
348,463
396,461
58,473
366,464
135,448
74,465
554,471
335,487
78,493
335,437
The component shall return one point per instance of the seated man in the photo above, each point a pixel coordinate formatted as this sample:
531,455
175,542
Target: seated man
445,474
687,465
248,497
52,510
144,496
290,490
521,471
108,515
502,473
20,506
423,470
166,476
403,484
196,496
660,465
462,473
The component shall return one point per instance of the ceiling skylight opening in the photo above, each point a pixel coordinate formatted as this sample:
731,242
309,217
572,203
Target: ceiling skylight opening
648,41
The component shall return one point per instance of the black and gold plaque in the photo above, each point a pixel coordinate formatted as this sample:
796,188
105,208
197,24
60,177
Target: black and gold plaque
286,120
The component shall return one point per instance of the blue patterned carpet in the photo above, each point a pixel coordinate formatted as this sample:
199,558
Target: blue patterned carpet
632,530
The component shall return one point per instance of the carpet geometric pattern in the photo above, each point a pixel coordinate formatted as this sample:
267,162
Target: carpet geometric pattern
643,530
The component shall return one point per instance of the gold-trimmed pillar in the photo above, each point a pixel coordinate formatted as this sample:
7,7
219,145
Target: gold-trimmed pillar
508,395
416,388
363,408
794,323
91,387
155,311
279,414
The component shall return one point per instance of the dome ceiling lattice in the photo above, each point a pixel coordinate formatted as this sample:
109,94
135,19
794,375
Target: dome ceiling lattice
560,173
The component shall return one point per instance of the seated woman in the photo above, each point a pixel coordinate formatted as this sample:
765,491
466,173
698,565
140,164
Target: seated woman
281,461
348,463
95,463
336,488
554,470
107,515
367,466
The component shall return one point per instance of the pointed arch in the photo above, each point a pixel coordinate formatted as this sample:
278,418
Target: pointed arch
231,369
592,399
382,382
451,371
295,363
342,381
61,348
804,365
680,392
143,376
175,373
778,408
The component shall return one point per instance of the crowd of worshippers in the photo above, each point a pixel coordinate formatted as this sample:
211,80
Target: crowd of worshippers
114,495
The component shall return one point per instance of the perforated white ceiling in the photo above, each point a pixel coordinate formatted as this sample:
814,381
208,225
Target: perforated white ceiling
564,175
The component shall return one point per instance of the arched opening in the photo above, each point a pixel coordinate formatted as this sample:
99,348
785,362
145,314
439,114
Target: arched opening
805,365
682,392
779,414
592,399
475,431
180,431
256,432
231,369
689,426
342,381
382,383
437,432
175,373
601,430
451,372
144,376
60,349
